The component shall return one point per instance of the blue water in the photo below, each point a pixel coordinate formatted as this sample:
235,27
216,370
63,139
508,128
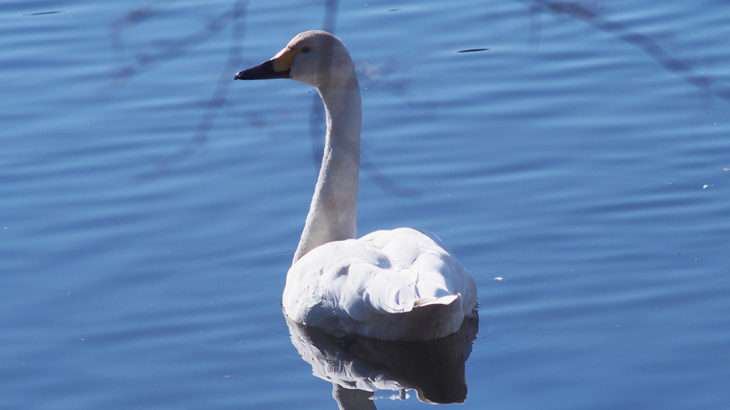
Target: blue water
578,167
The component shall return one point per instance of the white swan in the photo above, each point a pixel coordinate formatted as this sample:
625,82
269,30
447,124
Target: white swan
396,284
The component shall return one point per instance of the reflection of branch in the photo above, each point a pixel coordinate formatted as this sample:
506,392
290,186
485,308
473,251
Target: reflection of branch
650,47
330,15
219,95
386,183
145,61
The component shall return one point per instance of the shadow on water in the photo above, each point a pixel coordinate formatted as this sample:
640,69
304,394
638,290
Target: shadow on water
358,366
144,61
134,62
623,32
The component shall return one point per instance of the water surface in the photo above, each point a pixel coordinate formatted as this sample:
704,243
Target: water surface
150,206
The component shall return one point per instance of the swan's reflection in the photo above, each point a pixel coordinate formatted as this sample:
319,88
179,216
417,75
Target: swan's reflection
358,366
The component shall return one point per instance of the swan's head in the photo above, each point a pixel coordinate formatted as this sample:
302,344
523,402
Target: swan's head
314,57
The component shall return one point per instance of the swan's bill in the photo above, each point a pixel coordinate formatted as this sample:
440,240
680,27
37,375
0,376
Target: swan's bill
278,67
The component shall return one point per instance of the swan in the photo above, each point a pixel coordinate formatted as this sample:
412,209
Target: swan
399,284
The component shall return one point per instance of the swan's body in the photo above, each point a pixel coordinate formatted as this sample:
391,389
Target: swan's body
395,285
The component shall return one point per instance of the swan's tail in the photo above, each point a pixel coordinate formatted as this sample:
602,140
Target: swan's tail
430,318
443,300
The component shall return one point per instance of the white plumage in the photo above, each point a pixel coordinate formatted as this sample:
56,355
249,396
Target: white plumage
396,284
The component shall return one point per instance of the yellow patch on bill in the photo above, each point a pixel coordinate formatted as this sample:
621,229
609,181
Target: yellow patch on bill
284,59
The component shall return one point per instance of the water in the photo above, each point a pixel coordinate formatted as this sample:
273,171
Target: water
150,205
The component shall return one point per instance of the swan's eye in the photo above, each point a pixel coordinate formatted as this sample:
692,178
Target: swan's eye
305,49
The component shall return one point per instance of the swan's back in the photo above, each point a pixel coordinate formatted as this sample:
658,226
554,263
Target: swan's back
396,284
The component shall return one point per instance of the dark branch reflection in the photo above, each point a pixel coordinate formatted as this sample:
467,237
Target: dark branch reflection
358,366
132,61
647,44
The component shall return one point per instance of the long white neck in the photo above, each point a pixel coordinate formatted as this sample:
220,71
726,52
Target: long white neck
333,212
